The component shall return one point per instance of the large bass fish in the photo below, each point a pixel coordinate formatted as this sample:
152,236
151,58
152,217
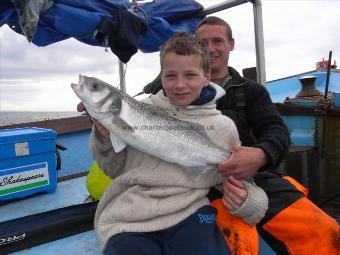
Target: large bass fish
148,128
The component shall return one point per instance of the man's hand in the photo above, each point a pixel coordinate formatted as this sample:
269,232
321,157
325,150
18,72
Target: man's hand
99,127
234,193
243,163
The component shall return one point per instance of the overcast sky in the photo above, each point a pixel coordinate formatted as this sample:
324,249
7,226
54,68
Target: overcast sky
297,34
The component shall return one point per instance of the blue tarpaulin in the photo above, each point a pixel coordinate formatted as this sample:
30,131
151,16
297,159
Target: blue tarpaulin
119,23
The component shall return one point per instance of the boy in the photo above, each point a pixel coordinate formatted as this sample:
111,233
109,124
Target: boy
153,206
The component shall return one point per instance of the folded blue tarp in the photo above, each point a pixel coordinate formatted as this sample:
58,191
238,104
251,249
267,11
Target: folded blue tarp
145,27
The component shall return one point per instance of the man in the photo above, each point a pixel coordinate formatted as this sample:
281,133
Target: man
265,139
265,143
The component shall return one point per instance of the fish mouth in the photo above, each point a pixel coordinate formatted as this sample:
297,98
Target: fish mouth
76,87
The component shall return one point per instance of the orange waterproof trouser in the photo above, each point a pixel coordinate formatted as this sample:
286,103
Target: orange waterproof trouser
302,227
305,229
241,238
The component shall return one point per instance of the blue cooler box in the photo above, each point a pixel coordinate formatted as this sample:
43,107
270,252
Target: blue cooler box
27,162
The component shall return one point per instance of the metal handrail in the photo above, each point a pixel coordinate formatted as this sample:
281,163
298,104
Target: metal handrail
221,7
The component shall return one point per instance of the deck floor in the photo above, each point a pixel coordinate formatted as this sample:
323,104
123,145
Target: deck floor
87,243
70,192
84,243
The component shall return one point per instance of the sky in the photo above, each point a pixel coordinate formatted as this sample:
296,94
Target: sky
297,34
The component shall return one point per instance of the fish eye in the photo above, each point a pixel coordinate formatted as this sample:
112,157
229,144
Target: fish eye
95,86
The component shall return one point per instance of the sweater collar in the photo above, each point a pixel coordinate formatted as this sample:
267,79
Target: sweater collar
208,93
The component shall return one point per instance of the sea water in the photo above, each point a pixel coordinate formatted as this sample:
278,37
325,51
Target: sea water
7,118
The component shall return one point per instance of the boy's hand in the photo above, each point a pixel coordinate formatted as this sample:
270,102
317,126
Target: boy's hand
81,108
235,193
99,127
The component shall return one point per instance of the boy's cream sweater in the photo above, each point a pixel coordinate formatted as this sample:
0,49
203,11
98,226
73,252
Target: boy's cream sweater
149,194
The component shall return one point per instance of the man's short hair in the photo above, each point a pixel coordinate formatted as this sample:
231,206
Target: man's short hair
183,43
213,20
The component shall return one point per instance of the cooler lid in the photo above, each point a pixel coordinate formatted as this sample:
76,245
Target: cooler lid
25,134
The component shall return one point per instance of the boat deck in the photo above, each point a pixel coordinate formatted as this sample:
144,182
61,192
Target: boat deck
69,193
83,243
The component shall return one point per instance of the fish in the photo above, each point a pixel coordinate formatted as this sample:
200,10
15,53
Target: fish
163,135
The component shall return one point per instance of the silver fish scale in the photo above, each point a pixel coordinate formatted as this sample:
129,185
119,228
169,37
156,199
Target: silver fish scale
182,143
151,111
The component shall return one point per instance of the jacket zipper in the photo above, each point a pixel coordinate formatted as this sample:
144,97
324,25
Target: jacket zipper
236,85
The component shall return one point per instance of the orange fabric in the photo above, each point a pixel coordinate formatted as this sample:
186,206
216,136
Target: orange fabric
297,185
241,238
305,229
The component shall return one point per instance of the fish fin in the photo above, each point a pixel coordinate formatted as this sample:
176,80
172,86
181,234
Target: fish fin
117,143
123,125
196,172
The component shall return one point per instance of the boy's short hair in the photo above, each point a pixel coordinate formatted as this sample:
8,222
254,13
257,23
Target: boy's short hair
213,20
183,43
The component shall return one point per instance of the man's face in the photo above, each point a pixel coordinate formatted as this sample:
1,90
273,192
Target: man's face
183,78
219,47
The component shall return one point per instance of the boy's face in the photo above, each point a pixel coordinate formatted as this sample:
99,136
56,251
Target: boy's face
183,78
